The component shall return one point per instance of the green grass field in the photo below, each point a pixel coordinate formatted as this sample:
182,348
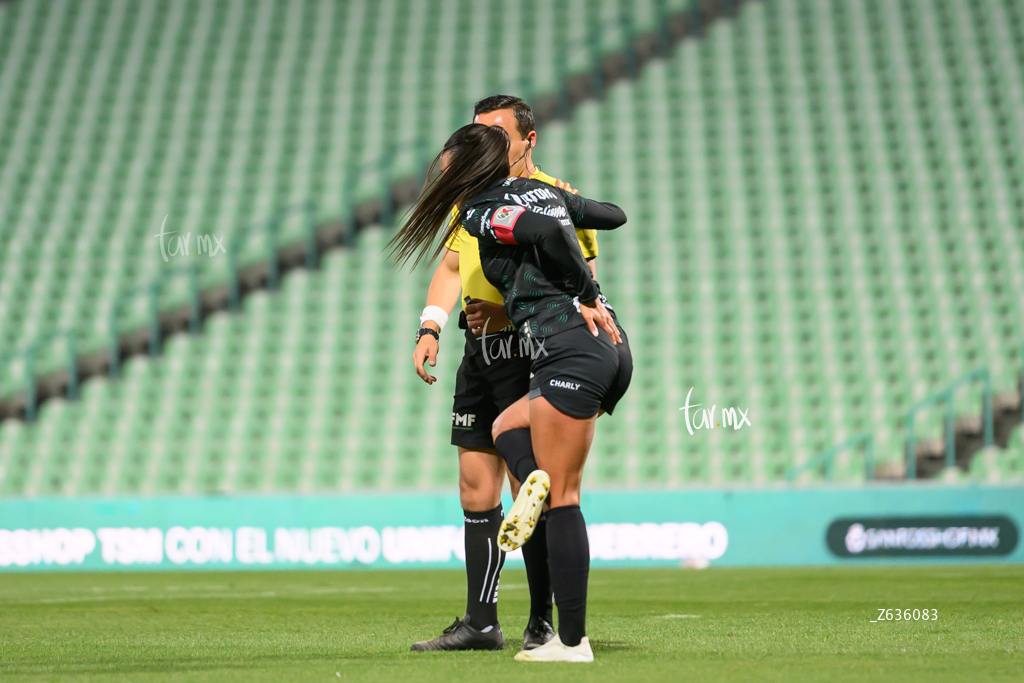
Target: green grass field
664,625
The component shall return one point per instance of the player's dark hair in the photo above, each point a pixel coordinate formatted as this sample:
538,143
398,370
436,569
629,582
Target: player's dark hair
477,158
524,115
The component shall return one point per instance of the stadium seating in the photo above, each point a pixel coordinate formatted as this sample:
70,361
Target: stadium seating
824,230
116,115
997,466
826,206
309,389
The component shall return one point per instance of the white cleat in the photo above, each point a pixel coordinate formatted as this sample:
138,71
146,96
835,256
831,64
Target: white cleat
521,520
555,651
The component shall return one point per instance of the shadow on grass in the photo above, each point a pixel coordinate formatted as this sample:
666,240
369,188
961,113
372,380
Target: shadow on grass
160,665
612,646
174,665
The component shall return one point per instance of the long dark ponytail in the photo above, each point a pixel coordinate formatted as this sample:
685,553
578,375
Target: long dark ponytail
475,157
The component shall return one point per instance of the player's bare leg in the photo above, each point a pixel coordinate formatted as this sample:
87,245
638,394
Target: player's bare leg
561,444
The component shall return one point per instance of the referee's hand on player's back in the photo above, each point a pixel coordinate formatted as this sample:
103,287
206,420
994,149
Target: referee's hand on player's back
479,312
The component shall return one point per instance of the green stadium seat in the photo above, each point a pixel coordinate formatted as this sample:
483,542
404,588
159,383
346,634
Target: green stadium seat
825,227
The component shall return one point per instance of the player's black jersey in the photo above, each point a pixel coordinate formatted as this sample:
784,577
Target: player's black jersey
529,250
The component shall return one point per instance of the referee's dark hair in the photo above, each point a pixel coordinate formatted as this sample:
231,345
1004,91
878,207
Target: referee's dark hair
524,115
477,157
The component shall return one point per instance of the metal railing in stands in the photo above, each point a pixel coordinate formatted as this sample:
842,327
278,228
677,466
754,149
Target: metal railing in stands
270,229
946,396
29,355
152,291
828,458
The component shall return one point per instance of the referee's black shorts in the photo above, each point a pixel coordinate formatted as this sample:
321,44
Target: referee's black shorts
580,374
493,375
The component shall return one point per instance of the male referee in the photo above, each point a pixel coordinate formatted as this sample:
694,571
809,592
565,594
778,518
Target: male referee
485,386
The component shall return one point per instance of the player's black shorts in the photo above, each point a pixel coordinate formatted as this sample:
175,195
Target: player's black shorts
581,374
492,377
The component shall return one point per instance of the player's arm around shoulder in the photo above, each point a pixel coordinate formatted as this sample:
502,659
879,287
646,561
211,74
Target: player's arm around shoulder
587,238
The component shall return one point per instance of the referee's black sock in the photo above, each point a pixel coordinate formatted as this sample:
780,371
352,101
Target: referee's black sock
569,561
516,448
535,555
484,560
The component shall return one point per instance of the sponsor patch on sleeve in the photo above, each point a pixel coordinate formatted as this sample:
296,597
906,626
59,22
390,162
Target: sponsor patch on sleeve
503,221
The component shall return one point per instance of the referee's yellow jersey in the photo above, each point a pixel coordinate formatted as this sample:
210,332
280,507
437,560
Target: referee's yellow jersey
474,284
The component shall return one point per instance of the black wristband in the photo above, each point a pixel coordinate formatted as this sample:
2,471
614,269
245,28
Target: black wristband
426,330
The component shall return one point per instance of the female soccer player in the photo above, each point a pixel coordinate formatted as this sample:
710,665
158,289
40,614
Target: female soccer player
529,252
484,387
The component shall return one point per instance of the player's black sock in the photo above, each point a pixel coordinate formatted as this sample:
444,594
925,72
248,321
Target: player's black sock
484,560
569,562
516,448
535,555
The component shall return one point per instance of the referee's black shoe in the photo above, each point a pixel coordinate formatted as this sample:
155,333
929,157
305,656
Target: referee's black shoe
538,632
462,636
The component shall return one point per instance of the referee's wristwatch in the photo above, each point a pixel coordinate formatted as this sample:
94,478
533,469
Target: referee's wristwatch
426,330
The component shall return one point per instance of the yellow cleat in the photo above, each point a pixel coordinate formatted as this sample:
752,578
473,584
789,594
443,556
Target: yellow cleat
528,507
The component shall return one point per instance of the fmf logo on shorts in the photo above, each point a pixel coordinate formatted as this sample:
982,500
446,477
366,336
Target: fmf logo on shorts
466,420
